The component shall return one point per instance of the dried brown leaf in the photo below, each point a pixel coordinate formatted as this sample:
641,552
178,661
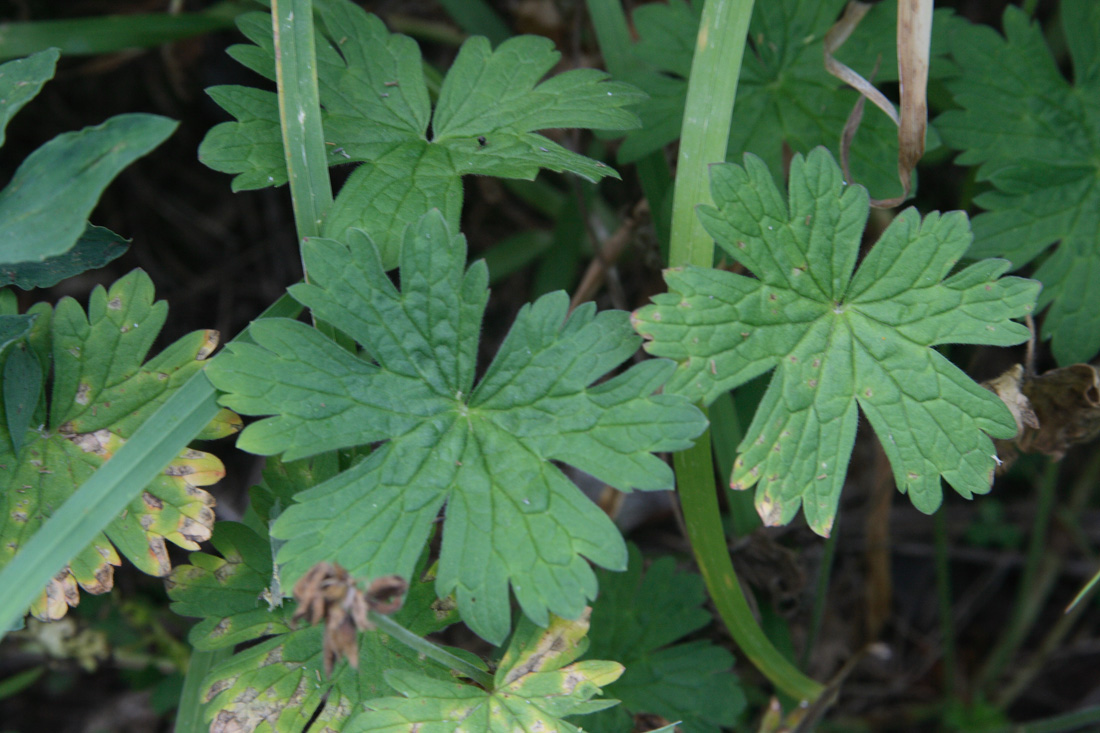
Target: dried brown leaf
1054,411
328,593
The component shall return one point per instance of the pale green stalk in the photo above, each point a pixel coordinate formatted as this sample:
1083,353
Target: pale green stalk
300,114
711,91
431,651
311,196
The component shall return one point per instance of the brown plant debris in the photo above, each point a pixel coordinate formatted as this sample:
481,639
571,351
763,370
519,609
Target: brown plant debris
327,592
1054,411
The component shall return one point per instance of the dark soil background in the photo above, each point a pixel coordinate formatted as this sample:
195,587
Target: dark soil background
220,258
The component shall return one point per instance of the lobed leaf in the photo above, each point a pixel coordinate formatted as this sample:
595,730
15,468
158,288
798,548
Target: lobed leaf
280,682
636,621
535,686
485,451
100,394
836,340
376,113
1037,140
228,592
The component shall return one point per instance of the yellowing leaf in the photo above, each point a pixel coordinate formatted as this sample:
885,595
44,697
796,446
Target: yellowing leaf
100,393
534,688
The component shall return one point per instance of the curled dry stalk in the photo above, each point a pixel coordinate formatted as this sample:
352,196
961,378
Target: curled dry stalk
914,44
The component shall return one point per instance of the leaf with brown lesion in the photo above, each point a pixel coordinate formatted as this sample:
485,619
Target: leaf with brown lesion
103,390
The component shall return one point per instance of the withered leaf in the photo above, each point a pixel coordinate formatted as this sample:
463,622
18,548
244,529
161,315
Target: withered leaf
327,592
1054,411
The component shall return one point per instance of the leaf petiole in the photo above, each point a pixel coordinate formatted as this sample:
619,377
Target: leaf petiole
425,648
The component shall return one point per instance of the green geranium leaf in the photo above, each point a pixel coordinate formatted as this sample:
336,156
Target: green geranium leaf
100,394
20,82
1037,138
636,621
534,687
280,685
485,451
232,593
45,207
836,340
785,97
96,247
376,112
281,680
22,389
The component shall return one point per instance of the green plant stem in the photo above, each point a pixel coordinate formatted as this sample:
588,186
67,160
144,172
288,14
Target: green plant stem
424,647
711,91
1025,673
946,607
1029,598
189,717
712,88
695,477
114,485
726,433
442,33
1078,720
300,114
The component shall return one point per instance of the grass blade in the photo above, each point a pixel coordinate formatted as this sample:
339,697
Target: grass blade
100,499
189,718
300,113
103,496
110,33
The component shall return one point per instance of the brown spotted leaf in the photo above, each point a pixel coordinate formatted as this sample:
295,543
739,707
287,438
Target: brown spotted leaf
281,683
101,392
535,686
